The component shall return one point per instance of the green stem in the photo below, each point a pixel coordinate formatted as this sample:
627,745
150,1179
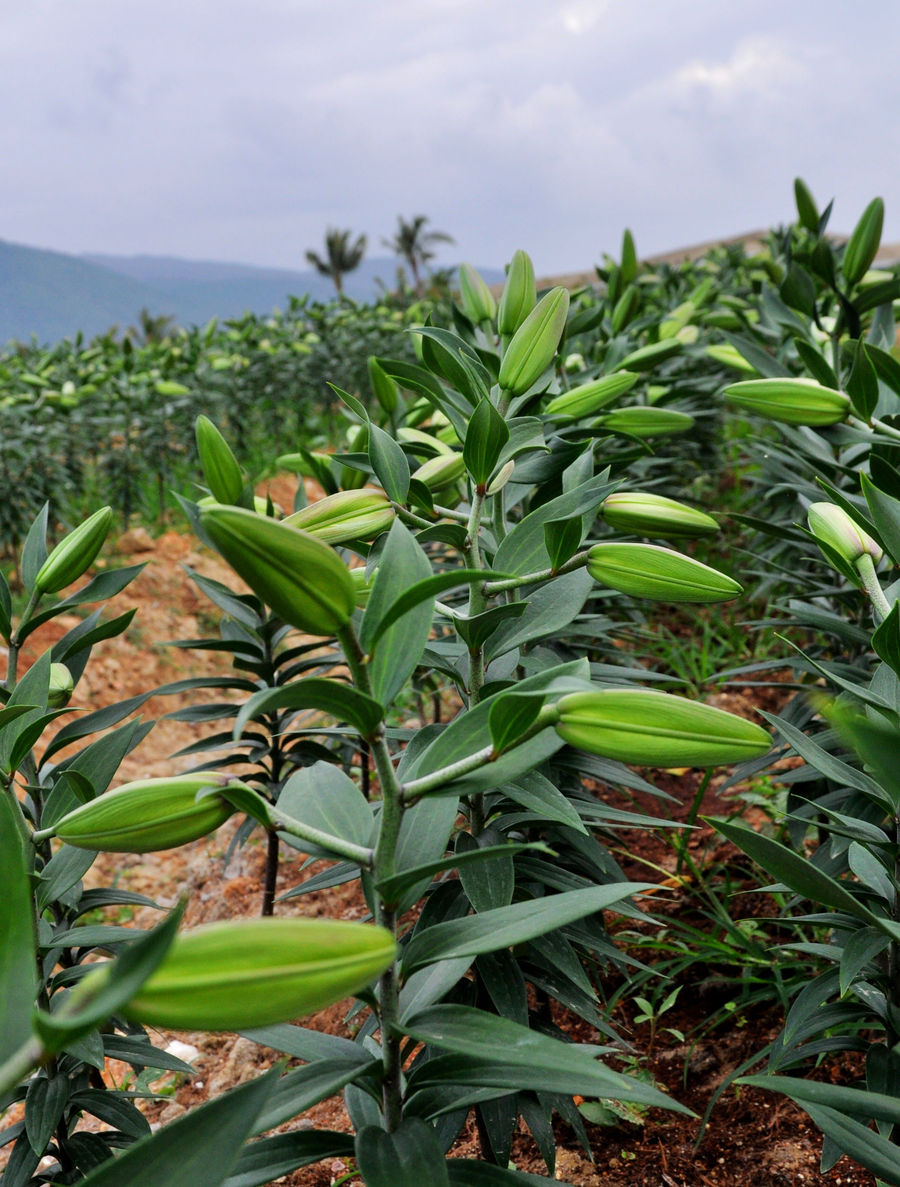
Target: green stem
874,423
865,567
578,561
691,819
281,822
29,1056
383,865
15,641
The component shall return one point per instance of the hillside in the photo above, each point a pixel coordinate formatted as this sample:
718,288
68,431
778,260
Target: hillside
52,295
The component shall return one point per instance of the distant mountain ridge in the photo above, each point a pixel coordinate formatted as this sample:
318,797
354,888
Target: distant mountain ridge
52,295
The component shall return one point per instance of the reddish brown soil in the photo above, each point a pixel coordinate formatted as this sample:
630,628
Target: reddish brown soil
754,1139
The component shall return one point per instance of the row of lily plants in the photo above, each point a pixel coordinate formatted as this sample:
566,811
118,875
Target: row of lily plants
478,532
486,524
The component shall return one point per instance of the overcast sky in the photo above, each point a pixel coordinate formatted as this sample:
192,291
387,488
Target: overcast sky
237,130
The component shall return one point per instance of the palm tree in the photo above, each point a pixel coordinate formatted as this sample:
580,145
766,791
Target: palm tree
341,256
415,245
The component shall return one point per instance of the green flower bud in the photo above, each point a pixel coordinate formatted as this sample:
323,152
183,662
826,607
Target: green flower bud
519,295
534,344
147,815
641,420
730,356
793,401
348,515
832,525
650,728
74,553
648,571
477,299
807,211
592,396
61,686
302,579
256,972
384,387
362,585
220,466
409,436
647,357
862,246
440,472
645,514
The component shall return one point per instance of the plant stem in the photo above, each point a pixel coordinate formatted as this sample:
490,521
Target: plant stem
383,863
578,561
865,567
280,822
29,1056
15,642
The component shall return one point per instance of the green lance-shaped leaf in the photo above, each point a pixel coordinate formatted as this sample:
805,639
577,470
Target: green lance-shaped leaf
885,511
863,243
832,526
642,420
347,515
649,571
807,211
477,299
237,975
72,555
383,386
409,1157
592,396
303,580
198,1150
645,514
17,942
220,466
649,728
534,343
147,815
486,435
792,401
862,386
519,295
875,741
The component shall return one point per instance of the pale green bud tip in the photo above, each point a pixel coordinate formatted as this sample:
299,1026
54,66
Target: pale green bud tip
148,815
347,515
832,525
239,975
534,343
648,571
645,514
442,471
303,580
649,728
591,396
220,466
477,299
61,686
792,401
519,294
74,554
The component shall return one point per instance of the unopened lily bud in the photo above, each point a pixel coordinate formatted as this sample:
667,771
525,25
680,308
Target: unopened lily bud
646,514
534,344
792,401
519,295
74,554
220,466
301,578
61,686
862,246
409,436
147,815
362,585
384,387
649,571
256,972
477,299
832,525
646,357
501,478
649,728
440,472
348,515
642,420
592,396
